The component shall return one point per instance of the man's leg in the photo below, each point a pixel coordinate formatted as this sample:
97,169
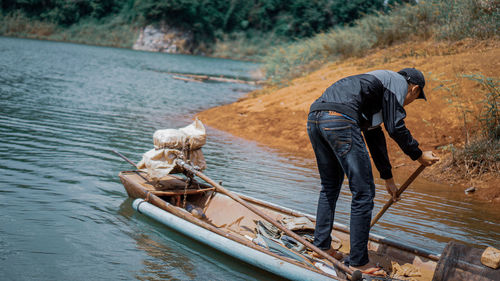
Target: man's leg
332,176
359,173
345,140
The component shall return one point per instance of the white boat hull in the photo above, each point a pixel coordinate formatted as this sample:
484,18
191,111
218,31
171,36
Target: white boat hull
228,246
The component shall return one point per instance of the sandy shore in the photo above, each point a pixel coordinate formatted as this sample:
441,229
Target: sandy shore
277,117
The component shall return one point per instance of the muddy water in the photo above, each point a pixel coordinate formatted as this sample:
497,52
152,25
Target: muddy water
64,214
429,215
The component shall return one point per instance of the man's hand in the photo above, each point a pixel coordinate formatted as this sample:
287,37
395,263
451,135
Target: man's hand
428,158
391,189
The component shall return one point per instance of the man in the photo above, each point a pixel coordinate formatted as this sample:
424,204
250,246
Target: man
352,105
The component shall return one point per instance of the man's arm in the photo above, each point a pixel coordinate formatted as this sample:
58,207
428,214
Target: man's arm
378,149
375,140
393,114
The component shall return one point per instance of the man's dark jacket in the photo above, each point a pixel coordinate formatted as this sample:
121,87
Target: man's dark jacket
370,99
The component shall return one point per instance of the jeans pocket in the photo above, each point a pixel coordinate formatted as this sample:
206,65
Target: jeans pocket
339,138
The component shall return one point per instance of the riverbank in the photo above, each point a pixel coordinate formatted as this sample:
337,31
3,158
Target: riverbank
276,116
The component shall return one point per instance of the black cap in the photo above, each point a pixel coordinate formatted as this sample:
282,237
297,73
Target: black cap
416,77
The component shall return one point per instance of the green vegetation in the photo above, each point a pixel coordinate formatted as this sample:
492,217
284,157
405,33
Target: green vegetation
482,153
292,37
478,157
489,115
247,28
297,18
253,45
112,31
439,19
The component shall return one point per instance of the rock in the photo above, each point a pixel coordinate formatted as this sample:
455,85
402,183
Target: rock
491,257
164,38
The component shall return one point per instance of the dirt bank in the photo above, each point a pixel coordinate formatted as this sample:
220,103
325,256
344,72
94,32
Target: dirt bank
277,117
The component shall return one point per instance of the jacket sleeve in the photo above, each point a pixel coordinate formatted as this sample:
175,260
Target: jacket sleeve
375,140
394,114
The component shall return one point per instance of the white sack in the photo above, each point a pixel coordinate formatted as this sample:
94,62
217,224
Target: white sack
184,143
196,134
196,158
191,137
158,163
169,138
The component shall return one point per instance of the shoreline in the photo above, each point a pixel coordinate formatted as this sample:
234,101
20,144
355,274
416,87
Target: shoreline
275,117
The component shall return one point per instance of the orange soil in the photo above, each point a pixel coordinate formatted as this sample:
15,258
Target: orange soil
277,117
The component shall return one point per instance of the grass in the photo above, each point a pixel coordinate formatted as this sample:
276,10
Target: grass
442,20
489,115
112,31
284,58
482,154
249,46
475,159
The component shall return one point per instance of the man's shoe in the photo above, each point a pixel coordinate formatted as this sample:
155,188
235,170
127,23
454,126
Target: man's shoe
369,269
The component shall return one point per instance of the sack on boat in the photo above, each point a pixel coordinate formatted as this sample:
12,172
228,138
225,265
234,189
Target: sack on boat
298,223
196,158
191,137
196,134
170,144
160,162
169,138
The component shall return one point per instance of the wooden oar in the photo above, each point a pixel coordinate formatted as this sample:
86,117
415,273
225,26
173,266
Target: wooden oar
130,162
398,193
354,275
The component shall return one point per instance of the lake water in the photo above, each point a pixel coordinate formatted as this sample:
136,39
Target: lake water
64,213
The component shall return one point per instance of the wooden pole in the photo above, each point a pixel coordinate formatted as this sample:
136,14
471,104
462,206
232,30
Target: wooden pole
398,193
125,158
258,212
131,163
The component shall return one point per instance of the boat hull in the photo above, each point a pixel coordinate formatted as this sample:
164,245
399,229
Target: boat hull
228,246
229,220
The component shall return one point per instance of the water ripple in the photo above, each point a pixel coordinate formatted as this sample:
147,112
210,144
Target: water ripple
65,214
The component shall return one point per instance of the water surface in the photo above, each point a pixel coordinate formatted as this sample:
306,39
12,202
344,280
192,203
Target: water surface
64,213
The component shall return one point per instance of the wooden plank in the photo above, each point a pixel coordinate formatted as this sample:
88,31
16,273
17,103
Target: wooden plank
186,79
180,192
461,262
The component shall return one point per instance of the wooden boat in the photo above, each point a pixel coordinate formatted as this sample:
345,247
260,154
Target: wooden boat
224,224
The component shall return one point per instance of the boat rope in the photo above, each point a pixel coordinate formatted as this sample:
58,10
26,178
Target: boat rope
143,201
188,183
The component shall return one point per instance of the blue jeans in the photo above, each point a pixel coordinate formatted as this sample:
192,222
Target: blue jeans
340,149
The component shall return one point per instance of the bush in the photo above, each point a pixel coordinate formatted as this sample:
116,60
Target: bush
112,31
482,154
17,24
209,20
448,19
250,46
469,18
489,116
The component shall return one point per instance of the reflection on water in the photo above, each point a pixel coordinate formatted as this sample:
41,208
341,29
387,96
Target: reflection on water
66,216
